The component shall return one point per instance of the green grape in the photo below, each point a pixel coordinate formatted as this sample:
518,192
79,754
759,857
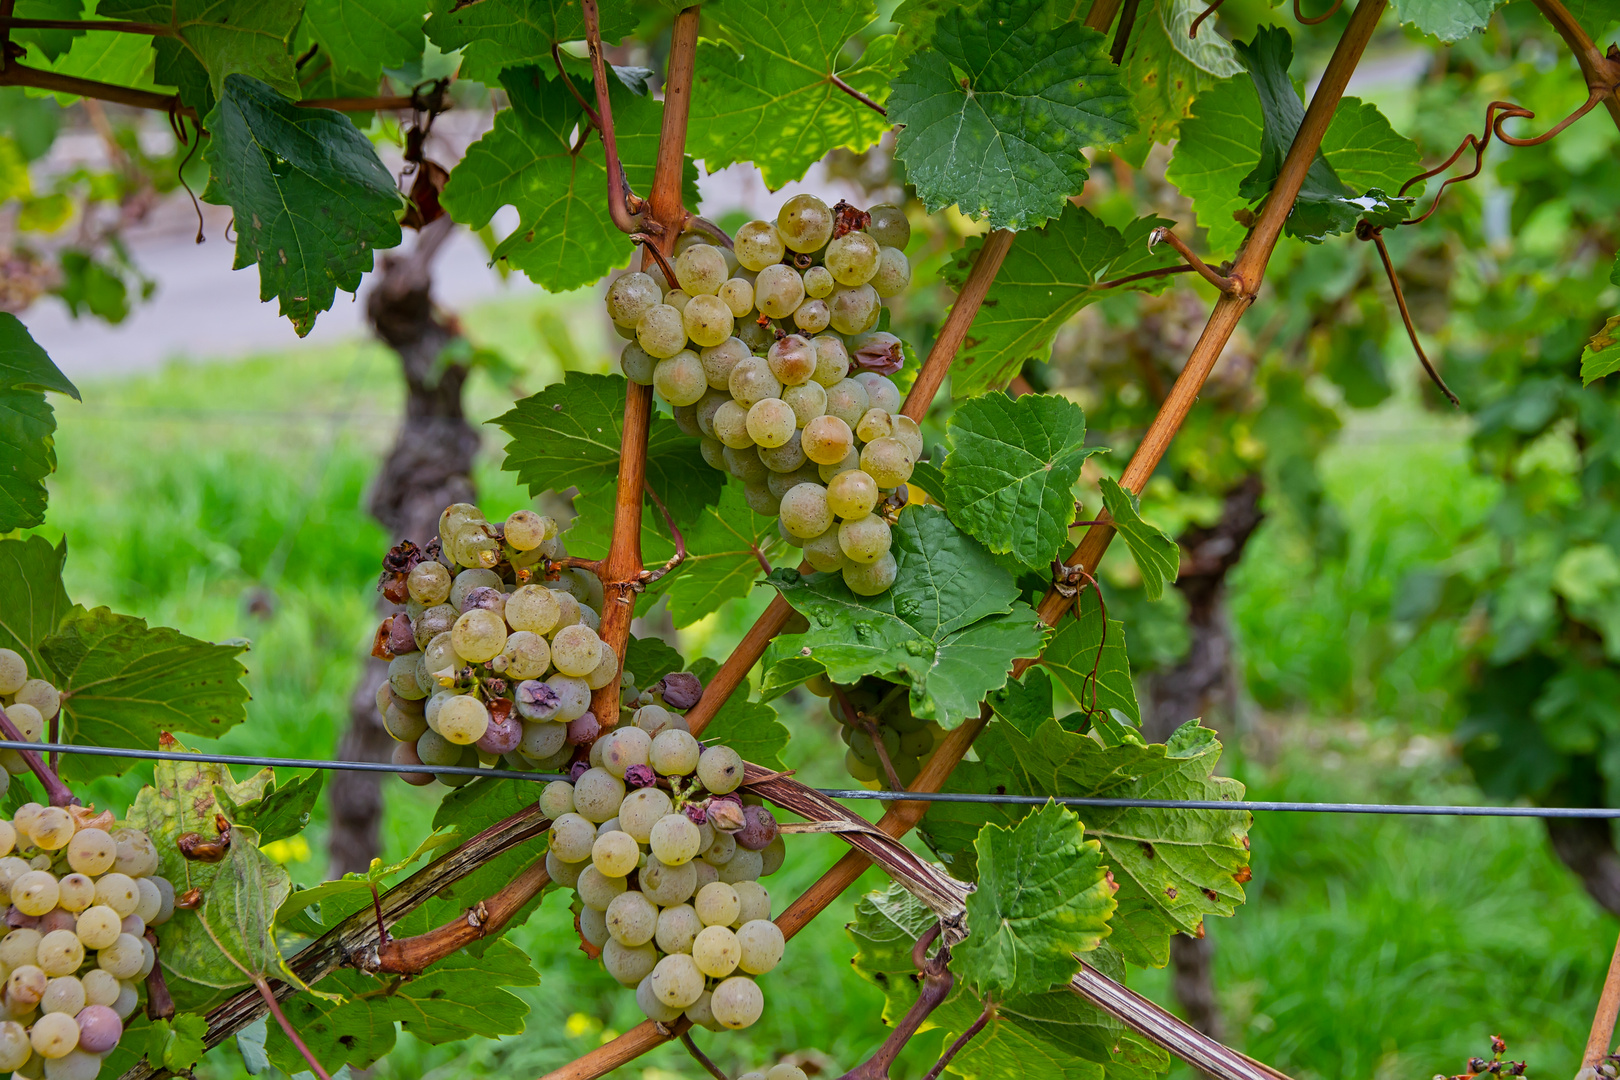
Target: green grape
453,518
474,547
853,308
128,999
21,946
852,460
27,720
526,655
122,958
61,953
873,424
805,223
463,720
853,258
629,297
428,583
677,981
785,458
720,850
674,839
778,291
812,316
888,461
118,892
731,426
716,951
784,1071
758,245
13,672
15,1049
667,885
651,1007
91,851
566,875
629,964
774,854
679,379
598,794
677,927
781,483
596,889
760,500
744,865
36,892
8,833
823,552
864,539
637,363
717,904
720,770
557,799
533,608
713,451
674,753
468,580
631,917
479,635
805,512
52,828
752,380
661,332
678,299
848,400
98,927
642,809
624,747
771,422
525,530
720,360
606,671
433,621
826,440
100,988
744,462
704,411
893,275
818,282
755,336
701,269
708,320
42,696
54,1035
881,393
434,749
907,431
889,226
792,359
576,650
572,836
738,296
75,892
761,945
852,494
737,1002
541,739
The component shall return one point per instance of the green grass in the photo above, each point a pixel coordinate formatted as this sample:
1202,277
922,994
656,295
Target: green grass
1370,948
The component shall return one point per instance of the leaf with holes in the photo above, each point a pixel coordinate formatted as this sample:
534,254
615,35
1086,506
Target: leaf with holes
27,424
496,34
949,629
568,436
1080,647
728,550
125,682
1050,273
1174,867
312,202
1043,896
764,90
1157,556
32,599
1448,20
1011,471
997,112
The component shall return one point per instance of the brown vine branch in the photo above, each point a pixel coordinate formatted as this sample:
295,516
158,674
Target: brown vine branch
1122,34
1608,1009
665,197
413,955
1367,232
857,95
595,118
1192,31
624,207
1223,282
286,1025
1163,271
1101,15
55,790
1600,70
82,25
159,1002
650,247
936,983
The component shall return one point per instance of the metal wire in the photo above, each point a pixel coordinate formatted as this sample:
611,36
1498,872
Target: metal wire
1410,809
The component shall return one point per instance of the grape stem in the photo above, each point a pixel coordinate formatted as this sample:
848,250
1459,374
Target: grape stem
699,1056
936,985
159,1002
1223,282
650,576
286,1026
962,1040
857,95
54,788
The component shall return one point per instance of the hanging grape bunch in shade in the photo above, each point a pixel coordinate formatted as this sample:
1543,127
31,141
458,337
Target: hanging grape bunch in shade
768,353
888,746
492,659
664,858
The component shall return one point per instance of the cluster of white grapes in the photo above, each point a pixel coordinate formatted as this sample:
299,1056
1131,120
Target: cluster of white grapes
664,856
81,895
29,704
768,353
875,722
492,664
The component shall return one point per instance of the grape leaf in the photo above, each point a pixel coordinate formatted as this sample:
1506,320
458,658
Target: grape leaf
1448,20
238,909
363,37
32,599
1367,152
46,44
1174,867
312,201
1050,273
120,59
459,996
463,813
177,1045
1166,68
1218,146
1071,654
279,811
564,237
1042,897
764,89
1602,354
217,39
784,672
750,728
1157,556
949,629
914,22
27,424
496,34
1596,16
1003,139
124,682
568,435
650,659
1010,475
724,552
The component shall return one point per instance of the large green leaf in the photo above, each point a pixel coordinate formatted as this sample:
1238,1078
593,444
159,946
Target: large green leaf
32,599
1043,896
312,202
1165,69
1157,556
998,111
217,39
1595,15
564,236
1049,274
650,659
1448,20
496,34
27,424
365,36
278,811
568,435
458,997
764,89
1078,648
1174,867
750,728
1011,471
949,629
24,364
724,555
1219,145
124,682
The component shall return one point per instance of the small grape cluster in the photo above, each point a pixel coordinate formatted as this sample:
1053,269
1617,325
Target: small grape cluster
664,856
76,886
768,353
875,714
30,704
489,662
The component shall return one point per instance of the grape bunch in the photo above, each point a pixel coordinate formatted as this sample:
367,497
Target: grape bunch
493,659
875,721
664,856
30,704
768,353
81,894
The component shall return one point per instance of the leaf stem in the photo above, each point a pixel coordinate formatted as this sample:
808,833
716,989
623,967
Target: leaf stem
650,576
936,985
1377,237
1203,269
286,1026
962,1040
595,118
114,25
1122,34
699,1056
54,788
623,206
857,95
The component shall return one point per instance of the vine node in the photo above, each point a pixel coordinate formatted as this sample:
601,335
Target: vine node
1230,283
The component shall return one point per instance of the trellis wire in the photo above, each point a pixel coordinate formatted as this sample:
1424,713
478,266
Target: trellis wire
1407,809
